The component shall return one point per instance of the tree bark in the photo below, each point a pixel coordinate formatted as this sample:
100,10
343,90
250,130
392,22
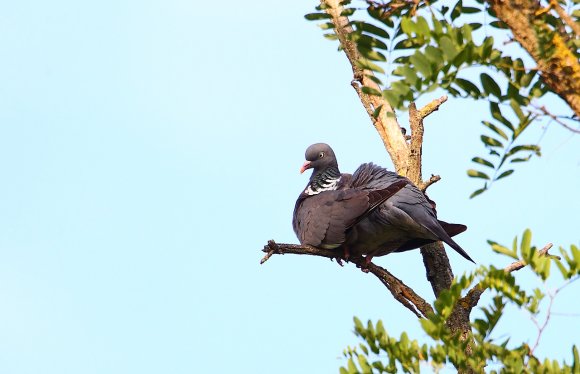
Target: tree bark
559,66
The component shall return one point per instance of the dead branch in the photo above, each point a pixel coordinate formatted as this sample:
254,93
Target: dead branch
414,162
400,291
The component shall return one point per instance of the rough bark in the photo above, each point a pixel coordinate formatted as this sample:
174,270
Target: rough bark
559,67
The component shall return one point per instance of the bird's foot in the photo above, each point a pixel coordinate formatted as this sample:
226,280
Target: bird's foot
338,260
366,263
346,254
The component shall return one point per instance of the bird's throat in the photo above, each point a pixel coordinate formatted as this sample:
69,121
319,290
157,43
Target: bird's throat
327,180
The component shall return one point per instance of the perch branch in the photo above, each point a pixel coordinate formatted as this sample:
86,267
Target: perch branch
382,115
400,291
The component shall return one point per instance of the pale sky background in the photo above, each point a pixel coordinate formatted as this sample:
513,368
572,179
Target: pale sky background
148,150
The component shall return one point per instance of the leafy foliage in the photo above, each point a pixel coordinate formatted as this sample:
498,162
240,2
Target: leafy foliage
417,47
407,355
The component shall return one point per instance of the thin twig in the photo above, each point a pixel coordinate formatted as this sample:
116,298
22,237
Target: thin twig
556,119
425,184
400,291
543,327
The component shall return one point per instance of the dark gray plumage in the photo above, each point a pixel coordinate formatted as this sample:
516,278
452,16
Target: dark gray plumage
373,212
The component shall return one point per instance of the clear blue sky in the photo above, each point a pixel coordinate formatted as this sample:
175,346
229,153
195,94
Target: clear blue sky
149,149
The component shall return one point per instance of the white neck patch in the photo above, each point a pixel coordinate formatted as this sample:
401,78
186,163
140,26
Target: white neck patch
327,185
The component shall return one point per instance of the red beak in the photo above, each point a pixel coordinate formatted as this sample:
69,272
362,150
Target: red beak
305,167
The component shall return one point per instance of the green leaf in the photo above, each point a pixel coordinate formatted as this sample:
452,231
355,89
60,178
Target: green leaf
434,54
495,129
503,250
377,111
367,65
422,27
409,43
496,113
477,174
482,161
491,141
468,87
505,174
475,25
421,63
489,85
517,110
520,159
407,25
326,26
477,192
456,12
498,25
407,72
448,48
371,54
370,28
367,41
352,367
317,16
469,10
371,91
461,57
528,147
525,246
347,12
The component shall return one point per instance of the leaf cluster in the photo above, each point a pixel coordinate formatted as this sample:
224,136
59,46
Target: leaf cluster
381,353
418,47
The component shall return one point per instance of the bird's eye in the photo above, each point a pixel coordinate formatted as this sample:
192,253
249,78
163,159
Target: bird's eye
321,155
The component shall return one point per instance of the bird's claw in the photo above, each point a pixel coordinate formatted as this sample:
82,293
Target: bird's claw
338,261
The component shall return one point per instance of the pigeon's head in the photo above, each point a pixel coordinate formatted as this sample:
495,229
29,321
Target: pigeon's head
319,157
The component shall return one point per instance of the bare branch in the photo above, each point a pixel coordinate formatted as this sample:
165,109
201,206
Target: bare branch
517,265
545,324
400,291
425,184
556,119
416,118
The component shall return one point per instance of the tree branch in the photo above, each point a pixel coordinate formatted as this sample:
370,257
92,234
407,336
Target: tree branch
559,67
439,271
400,291
379,110
565,17
414,162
